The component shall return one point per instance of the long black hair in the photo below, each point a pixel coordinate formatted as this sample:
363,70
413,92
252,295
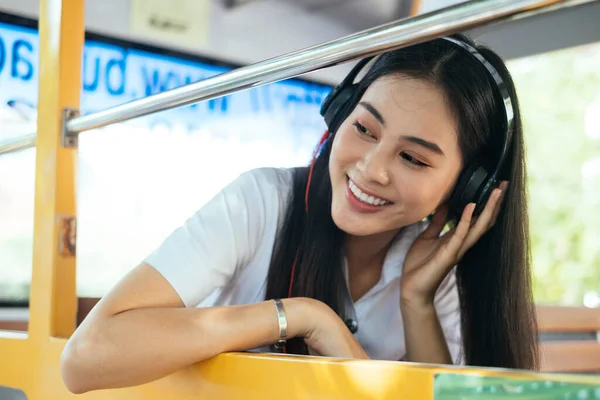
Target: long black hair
494,280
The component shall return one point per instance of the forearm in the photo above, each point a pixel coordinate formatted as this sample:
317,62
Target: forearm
142,345
423,334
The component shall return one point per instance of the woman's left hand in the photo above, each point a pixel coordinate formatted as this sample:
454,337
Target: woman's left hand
431,256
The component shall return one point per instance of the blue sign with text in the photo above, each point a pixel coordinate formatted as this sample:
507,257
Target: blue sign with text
114,75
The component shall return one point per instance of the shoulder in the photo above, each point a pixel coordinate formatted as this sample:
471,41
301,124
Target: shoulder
224,235
263,184
255,202
267,178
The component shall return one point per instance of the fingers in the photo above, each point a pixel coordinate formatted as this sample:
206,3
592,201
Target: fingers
438,221
468,230
462,229
486,219
459,234
503,186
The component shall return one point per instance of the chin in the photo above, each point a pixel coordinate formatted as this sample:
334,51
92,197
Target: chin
354,225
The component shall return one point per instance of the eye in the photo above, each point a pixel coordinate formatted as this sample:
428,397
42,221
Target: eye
361,129
412,160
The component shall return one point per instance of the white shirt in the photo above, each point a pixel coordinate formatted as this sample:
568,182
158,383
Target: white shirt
221,256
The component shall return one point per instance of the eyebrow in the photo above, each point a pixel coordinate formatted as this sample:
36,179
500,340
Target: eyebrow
369,107
422,142
413,139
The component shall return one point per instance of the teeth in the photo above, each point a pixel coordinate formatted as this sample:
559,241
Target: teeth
365,198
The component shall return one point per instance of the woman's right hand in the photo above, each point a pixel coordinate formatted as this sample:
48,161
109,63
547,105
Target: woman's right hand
326,334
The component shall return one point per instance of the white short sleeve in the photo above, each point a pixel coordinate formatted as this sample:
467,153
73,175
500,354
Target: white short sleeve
447,304
221,237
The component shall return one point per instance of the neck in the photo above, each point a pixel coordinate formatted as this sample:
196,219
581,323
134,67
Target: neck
368,251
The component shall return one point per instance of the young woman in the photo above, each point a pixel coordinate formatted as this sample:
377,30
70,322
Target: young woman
405,239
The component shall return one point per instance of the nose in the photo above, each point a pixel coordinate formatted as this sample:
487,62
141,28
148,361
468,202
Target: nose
374,166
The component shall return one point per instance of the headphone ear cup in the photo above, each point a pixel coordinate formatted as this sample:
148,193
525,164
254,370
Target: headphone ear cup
335,105
482,198
470,188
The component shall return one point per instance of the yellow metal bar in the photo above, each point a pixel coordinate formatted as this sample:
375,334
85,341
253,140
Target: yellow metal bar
260,376
53,290
16,354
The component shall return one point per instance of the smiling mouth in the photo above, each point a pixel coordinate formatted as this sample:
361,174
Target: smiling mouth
366,198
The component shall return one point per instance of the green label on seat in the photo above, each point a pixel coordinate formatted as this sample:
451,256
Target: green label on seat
460,386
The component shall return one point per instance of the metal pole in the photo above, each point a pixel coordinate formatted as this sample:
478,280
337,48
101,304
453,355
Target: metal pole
372,41
21,143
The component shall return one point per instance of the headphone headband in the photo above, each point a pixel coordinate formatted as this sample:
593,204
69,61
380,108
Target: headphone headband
341,93
506,99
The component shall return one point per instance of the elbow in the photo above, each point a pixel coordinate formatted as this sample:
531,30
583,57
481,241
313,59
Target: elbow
75,368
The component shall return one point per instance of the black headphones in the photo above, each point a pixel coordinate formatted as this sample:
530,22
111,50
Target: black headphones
475,183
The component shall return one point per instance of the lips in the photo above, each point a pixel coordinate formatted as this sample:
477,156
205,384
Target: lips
366,197
362,201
